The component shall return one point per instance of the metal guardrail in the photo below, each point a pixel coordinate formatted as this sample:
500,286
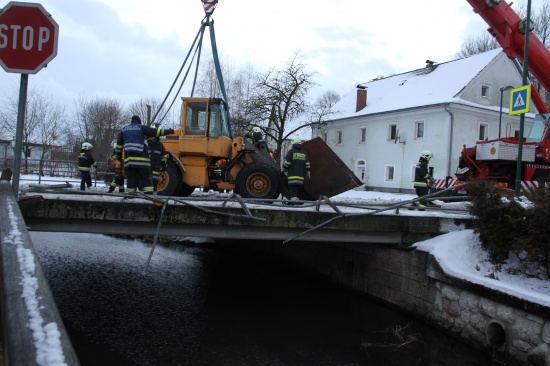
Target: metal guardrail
46,170
33,331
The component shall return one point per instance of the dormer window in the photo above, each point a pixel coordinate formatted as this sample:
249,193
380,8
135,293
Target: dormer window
484,91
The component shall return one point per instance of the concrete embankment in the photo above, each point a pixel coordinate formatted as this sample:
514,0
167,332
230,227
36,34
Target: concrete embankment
515,330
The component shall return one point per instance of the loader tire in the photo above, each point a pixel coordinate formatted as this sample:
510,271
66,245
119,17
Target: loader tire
170,180
258,180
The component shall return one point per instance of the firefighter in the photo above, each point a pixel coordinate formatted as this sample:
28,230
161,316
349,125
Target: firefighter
85,163
157,154
258,139
137,164
422,178
115,166
297,168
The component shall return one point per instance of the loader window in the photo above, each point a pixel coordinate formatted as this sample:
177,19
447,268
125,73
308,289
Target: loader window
195,119
219,125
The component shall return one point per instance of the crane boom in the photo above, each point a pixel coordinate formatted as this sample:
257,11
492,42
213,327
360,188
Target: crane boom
504,25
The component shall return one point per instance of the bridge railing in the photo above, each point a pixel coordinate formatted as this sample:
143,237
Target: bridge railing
33,330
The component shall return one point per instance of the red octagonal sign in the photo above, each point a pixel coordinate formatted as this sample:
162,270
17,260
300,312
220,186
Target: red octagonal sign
28,37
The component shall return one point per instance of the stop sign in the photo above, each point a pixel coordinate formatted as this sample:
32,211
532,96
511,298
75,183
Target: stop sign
28,37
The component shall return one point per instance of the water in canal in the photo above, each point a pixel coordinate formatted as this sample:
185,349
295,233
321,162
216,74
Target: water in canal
211,306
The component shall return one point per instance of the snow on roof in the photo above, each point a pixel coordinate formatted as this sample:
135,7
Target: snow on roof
418,87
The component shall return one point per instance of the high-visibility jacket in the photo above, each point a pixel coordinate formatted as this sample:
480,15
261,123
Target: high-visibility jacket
297,164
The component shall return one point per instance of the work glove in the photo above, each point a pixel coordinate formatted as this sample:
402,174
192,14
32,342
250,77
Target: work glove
169,131
308,175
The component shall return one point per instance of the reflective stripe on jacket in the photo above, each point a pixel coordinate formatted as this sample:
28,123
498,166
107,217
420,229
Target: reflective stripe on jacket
297,164
157,153
133,140
421,173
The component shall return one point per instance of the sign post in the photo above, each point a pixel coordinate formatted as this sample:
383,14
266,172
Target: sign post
28,41
525,73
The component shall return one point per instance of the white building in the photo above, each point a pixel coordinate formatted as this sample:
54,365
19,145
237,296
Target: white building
382,127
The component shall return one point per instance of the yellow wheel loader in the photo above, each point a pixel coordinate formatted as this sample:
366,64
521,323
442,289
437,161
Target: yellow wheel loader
202,154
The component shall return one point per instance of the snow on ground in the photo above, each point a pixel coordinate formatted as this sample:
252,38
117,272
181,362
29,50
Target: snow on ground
459,253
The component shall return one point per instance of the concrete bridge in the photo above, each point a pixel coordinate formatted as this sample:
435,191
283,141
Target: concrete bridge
223,218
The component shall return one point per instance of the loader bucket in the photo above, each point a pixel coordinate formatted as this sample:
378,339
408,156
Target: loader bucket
329,175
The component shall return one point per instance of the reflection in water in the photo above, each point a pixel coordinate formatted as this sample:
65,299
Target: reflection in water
211,306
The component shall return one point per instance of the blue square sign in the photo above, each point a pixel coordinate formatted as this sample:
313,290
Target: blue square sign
520,100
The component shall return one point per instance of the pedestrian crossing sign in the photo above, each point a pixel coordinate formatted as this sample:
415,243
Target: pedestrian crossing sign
519,99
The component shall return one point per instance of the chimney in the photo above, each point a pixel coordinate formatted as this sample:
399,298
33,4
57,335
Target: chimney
430,63
361,98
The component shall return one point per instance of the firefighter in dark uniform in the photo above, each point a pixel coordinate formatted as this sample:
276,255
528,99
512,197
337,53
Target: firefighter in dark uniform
297,168
137,164
157,154
85,163
422,178
115,166
258,139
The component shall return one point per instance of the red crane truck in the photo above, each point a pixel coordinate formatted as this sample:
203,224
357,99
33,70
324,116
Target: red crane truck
496,160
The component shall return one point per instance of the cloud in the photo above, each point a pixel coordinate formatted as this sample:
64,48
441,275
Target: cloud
133,48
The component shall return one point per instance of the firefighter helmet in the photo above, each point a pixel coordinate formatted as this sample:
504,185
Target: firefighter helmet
296,140
87,146
427,154
256,129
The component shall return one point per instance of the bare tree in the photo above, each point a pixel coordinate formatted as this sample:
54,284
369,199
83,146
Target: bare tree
43,120
48,117
322,110
238,85
99,122
140,108
279,98
475,45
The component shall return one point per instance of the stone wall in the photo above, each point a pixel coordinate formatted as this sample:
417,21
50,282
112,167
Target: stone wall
412,280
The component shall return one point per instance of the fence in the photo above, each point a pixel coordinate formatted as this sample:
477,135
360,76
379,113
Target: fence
52,170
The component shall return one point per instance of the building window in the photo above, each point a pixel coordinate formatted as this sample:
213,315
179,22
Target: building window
338,137
419,130
483,132
516,132
484,91
392,132
389,173
324,136
362,135
361,170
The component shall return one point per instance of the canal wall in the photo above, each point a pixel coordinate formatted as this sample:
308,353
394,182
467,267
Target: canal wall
514,330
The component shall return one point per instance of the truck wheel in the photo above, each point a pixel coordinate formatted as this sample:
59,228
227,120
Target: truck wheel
170,180
258,180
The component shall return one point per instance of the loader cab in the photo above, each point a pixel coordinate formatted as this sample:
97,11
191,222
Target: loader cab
204,127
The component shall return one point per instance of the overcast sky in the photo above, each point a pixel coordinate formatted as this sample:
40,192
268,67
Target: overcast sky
129,49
